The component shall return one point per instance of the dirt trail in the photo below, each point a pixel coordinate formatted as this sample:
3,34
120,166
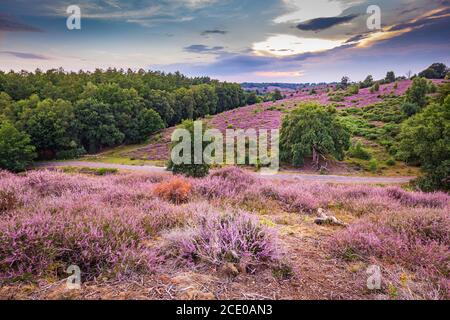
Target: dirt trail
280,176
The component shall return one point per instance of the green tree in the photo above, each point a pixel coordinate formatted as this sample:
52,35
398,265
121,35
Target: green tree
161,102
435,71
277,95
390,77
16,151
205,100
425,139
417,92
148,122
96,125
367,83
184,105
50,126
345,81
191,169
252,98
314,131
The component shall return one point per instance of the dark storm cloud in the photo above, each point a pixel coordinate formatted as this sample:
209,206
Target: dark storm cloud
324,23
216,31
25,55
200,48
11,24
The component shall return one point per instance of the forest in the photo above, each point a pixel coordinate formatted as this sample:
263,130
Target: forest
62,115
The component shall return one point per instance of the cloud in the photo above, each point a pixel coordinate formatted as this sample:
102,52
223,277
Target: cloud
357,38
428,19
301,10
287,45
215,31
200,48
25,55
325,23
10,24
279,74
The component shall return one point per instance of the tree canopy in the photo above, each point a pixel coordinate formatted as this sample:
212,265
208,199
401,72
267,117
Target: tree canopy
425,140
314,131
16,151
68,112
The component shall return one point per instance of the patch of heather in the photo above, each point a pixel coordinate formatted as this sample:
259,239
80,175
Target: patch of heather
234,185
416,239
100,240
292,198
228,183
219,237
106,225
115,226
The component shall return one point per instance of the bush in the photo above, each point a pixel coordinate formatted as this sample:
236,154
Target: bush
70,154
176,190
354,89
415,239
373,165
229,183
105,171
391,162
410,109
217,238
375,88
16,151
357,151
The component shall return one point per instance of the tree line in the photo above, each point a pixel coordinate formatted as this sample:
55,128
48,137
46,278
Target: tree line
65,114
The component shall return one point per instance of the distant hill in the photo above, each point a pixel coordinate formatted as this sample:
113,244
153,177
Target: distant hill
272,86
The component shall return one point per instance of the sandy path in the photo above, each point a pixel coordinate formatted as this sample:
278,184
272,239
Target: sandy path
280,176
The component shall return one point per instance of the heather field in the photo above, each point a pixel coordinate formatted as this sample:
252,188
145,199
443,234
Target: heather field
269,115
229,235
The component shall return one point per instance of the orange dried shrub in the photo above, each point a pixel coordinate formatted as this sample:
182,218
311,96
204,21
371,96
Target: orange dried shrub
177,190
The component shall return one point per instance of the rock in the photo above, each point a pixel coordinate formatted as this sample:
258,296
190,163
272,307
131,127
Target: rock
230,270
325,218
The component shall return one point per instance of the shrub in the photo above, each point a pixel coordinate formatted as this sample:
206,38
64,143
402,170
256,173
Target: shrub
16,151
216,238
354,89
177,190
410,109
375,87
70,154
105,171
415,239
357,151
228,183
391,162
373,165
98,240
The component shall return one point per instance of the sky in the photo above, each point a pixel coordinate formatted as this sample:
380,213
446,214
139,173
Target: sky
230,40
